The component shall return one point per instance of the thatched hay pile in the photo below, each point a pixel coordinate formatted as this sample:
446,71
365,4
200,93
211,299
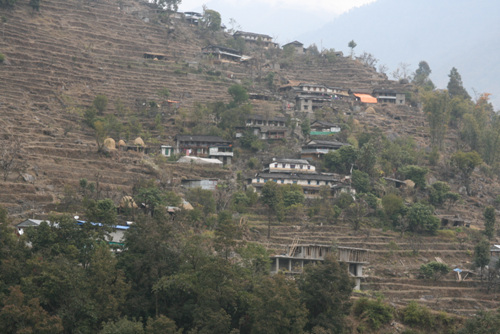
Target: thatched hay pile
109,143
139,142
127,202
370,110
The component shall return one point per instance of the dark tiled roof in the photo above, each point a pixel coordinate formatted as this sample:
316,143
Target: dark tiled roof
292,161
201,138
323,123
304,176
325,143
263,117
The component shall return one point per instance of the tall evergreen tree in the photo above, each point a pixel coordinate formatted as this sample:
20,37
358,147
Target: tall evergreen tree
455,85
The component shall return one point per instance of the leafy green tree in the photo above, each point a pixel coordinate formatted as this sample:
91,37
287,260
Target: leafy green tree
122,326
168,4
154,198
455,85
202,200
434,270
352,45
13,253
161,325
367,158
489,222
272,197
341,160
344,200
306,127
482,255
360,181
7,3
465,163
421,219
238,93
355,214
211,19
373,311
482,323
276,307
326,289
102,211
417,316
421,77
393,206
255,259
100,103
35,4
20,315
226,235
151,252
292,194
470,132
439,193
416,174
437,108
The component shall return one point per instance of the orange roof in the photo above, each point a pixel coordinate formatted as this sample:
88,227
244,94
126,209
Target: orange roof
365,98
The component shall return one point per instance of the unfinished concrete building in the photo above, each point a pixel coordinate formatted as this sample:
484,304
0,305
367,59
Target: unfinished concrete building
299,255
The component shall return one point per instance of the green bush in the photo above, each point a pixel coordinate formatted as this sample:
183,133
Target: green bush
2,57
434,270
374,312
417,316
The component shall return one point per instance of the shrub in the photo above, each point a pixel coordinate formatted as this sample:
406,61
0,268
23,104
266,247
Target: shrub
434,270
449,235
100,103
375,312
2,57
418,316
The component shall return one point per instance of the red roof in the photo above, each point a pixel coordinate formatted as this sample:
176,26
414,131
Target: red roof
365,98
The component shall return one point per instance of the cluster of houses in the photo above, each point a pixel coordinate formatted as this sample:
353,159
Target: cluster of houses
300,172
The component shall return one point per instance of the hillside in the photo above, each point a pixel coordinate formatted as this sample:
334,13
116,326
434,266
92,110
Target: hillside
59,59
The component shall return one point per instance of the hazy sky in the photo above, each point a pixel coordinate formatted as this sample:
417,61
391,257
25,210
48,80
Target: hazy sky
282,19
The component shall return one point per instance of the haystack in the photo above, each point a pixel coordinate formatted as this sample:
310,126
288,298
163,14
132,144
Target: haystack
121,143
109,143
186,205
410,184
370,110
139,142
127,202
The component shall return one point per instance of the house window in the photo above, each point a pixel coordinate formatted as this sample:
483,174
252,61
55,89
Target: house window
294,182
308,167
306,107
282,181
292,166
317,183
308,181
275,165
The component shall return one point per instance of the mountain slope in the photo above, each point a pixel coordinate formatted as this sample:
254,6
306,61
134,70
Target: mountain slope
462,34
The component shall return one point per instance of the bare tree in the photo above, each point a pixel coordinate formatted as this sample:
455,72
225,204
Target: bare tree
402,72
9,151
368,59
